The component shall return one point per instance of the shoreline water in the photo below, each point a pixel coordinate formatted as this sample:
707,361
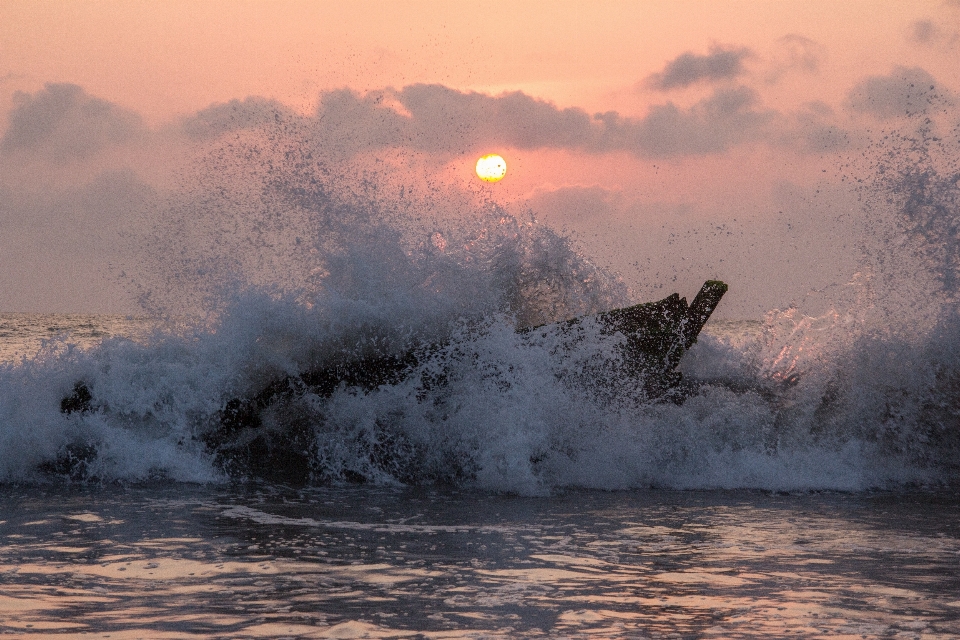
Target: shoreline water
257,560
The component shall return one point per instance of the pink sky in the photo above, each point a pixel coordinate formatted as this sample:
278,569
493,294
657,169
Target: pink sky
167,58
803,70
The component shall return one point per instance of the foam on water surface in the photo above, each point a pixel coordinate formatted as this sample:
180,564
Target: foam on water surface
331,562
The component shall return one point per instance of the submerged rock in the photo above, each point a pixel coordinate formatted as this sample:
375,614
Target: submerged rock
80,401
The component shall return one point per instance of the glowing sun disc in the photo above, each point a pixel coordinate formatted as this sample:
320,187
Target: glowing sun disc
491,168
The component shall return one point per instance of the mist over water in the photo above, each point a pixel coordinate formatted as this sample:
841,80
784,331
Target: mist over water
267,263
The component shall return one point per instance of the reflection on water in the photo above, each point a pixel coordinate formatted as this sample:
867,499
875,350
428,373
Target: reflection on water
179,562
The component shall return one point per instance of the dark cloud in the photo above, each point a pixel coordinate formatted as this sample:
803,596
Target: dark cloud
905,92
728,117
221,118
933,33
437,119
513,119
690,68
923,31
813,129
62,123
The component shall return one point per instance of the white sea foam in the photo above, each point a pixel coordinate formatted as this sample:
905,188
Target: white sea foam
864,395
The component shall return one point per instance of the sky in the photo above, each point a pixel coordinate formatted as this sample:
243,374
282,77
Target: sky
675,141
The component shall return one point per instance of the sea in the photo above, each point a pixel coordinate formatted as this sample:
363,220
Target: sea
805,483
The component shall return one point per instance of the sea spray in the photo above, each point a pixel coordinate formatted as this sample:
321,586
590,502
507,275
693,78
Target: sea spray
279,264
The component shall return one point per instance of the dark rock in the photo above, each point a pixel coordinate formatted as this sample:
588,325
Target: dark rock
80,401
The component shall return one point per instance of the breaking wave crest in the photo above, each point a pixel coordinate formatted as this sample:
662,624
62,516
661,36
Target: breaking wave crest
265,269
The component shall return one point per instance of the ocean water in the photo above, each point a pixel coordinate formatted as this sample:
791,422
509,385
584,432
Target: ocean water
515,485
24,335
263,561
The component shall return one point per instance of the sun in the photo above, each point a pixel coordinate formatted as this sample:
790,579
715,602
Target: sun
491,168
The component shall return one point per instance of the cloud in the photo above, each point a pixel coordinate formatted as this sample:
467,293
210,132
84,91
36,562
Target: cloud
62,123
930,33
437,119
814,130
221,118
690,68
442,115
794,52
923,31
728,117
905,92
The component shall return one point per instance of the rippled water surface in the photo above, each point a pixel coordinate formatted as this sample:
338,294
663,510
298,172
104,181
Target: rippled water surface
259,561
23,335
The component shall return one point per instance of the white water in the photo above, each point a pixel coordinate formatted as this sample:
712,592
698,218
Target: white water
272,270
